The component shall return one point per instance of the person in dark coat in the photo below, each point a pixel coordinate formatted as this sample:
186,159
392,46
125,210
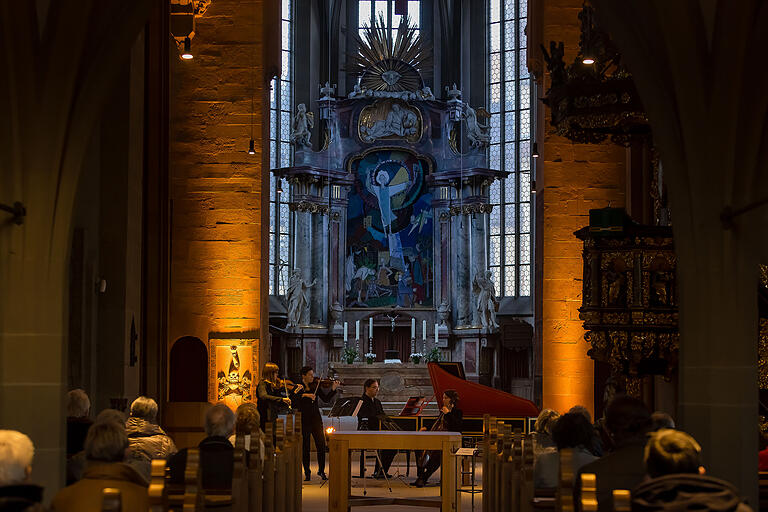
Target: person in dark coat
627,420
678,478
78,420
16,493
450,421
270,401
305,401
216,452
369,417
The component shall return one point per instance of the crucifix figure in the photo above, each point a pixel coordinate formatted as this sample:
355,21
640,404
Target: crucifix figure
392,321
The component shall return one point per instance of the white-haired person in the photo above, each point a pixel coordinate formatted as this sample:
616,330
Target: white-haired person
105,449
146,437
16,492
78,420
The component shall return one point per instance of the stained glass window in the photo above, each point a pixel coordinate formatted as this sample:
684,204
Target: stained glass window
281,155
509,99
373,9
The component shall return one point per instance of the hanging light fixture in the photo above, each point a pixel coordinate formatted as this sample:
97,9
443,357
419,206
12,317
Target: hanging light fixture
251,148
279,189
186,54
535,151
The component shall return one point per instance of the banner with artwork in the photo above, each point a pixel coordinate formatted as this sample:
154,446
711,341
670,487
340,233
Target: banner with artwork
231,368
389,232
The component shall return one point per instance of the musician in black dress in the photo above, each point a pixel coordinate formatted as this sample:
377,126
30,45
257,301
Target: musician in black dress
449,420
305,401
369,417
271,399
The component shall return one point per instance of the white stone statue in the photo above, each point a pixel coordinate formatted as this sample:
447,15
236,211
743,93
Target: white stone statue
399,121
357,92
443,313
479,135
297,297
303,122
483,287
426,93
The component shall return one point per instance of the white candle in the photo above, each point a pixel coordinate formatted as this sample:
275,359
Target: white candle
413,328
370,328
424,331
345,332
357,330
436,335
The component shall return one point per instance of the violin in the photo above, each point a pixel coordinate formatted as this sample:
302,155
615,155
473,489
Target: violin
286,384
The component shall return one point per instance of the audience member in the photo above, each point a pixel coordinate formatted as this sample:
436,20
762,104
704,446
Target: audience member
105,448
678,480
247,421
78,422
76,463
216,452
595,445
661,420
542,436
571,430
146,437
627,421
16,493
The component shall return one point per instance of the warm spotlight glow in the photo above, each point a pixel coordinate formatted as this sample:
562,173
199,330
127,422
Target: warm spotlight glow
187,53
251,148
330,430
588,61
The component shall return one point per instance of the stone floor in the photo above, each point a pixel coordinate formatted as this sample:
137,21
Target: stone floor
315,495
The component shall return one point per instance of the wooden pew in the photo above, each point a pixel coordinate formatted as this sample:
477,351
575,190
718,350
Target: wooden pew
268,495
193,494
111,500
239,477
588,492
255,472
622,500
526,475
157,493
564,495
297,456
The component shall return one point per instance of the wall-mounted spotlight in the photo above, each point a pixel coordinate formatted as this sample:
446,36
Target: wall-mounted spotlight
533,186
588,60
251,148
279,189
535,150
186,54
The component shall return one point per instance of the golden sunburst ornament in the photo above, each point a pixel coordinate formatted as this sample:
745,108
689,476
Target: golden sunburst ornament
391,65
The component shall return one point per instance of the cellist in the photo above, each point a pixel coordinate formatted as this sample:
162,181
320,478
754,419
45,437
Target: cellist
449,420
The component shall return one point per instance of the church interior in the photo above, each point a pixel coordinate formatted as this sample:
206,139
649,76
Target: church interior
474,228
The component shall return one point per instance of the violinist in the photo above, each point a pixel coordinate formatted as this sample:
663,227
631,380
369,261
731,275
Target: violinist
306,402
269,394
369,418
449,420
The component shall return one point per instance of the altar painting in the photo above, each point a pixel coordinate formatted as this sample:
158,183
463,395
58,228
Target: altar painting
232,371
389,230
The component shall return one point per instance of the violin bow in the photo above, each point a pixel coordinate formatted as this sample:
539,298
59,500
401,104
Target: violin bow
285,386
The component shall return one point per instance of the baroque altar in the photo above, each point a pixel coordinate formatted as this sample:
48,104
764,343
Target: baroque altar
390,219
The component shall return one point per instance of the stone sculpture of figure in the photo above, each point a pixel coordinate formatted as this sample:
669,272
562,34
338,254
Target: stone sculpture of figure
297,297
426,93
356,91
482,285
335,312
303,122
443,313
479,135
399,121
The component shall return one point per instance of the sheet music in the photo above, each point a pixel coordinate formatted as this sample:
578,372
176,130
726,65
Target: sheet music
357,408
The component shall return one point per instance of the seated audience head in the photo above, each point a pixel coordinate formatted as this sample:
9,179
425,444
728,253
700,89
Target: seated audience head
248,419
219,421
106,442
371,387
16,453
112,415
661,420
580,409
627,419
572,430
144,408
270,372
545,421
78,403
672,451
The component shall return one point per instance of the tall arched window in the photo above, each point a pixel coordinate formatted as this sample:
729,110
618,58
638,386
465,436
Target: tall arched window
371,10
511,128
281,155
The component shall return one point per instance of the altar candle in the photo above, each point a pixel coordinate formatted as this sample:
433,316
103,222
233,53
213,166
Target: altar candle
370,328
413,328
345,332
357,330
436,335
424,331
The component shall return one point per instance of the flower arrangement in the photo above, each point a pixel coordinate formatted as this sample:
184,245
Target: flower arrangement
349,355
370,357
416,357
433,356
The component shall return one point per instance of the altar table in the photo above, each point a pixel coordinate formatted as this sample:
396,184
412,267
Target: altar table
342,442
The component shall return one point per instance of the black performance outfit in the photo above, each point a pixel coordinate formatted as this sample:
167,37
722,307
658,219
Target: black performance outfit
368,418
312,425
451,423
269,405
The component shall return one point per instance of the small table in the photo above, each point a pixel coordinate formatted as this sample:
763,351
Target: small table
341,442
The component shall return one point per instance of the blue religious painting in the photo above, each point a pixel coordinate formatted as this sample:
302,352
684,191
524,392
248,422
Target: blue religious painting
389,230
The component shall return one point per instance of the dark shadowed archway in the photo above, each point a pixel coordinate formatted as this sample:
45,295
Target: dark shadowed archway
189,369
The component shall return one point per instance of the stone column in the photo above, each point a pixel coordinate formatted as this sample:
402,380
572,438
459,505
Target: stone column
462,271
318,268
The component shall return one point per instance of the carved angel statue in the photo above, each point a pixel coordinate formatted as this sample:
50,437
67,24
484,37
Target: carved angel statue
303,122
426,94
399,121
479,135
297,296
233,384
483,287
